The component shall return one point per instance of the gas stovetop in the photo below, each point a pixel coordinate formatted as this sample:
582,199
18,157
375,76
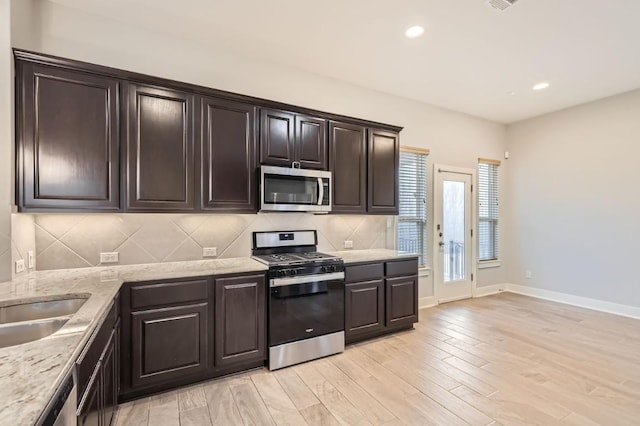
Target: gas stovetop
290,259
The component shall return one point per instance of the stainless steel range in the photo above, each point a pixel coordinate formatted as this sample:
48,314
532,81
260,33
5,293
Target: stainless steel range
306,301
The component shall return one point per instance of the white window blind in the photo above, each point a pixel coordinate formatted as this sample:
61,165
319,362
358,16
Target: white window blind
412,221
488,209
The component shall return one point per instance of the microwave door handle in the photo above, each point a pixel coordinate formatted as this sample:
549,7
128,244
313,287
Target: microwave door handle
320,191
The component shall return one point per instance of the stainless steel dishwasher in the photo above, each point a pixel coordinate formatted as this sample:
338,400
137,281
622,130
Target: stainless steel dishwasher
61,410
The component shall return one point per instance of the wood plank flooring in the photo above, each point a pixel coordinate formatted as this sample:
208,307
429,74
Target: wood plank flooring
503,359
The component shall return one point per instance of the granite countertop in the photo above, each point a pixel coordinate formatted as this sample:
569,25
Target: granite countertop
358,256
31,372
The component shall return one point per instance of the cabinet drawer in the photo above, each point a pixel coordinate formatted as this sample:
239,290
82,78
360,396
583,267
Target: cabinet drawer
368,272
170,293
398,268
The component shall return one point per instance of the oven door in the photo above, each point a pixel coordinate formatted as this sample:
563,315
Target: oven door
301,190
306,306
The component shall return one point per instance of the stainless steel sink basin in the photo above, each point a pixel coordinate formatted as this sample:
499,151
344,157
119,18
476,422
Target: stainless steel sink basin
23,332
39,310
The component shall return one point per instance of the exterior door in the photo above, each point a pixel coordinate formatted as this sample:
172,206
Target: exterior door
453,233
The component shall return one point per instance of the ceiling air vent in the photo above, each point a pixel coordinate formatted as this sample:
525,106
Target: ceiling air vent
501,5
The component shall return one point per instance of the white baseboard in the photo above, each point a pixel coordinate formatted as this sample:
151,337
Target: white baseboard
554,296
427,302
570,299
489,290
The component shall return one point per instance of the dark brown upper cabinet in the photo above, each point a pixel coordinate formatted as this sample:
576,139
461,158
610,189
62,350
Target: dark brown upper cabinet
348,163
311,142
382,176
286,138
228,159
277,137
99,139
160,149
68,140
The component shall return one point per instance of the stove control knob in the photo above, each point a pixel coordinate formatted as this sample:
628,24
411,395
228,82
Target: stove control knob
282,273
293,272
324,268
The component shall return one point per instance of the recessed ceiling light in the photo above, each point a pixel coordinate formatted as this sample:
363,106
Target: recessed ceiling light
512,93
541,86
415,31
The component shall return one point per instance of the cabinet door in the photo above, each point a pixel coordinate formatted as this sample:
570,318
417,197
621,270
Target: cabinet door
276,137
364,308
228,156
90,405
240,320
68,140
311,142
383,164
168,344
109,380
402,301
348,159
160,158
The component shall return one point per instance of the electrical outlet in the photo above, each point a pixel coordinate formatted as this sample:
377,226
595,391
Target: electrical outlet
20,266
31,259
527,273
348,244
109,257
209,251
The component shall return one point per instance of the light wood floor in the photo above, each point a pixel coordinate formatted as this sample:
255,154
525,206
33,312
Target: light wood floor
503,359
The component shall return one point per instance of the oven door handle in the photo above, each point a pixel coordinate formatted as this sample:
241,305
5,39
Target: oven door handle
280,282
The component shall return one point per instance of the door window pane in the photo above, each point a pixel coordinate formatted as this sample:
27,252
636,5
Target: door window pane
454,230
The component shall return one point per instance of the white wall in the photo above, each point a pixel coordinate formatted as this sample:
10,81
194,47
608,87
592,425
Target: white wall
574,200
453,138
6,139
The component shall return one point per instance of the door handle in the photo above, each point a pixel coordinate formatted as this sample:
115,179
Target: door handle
440,243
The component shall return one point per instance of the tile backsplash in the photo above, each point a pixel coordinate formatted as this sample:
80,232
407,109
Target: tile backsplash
76,241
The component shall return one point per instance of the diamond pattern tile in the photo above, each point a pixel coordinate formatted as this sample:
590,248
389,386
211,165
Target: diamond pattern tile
69,241
94,235
160,237
59,256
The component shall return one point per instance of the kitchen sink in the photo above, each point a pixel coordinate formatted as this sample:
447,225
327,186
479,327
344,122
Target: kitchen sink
39,310
23,332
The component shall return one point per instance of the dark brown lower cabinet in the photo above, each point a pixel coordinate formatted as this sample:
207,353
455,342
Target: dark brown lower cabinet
168,343
380,297
240,326
180,331
402,295
98,374
89,410
110,377
364,303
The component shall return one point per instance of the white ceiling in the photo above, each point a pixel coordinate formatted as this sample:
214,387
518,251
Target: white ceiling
469,59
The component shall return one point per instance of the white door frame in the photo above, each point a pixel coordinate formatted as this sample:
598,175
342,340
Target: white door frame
437,266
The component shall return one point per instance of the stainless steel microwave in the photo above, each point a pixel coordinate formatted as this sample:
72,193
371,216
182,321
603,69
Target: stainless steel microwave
284,189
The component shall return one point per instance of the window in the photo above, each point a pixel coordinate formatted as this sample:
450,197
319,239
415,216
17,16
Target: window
488,209
412,221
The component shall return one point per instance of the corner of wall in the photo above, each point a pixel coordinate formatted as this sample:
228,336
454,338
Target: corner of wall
23,241
6,138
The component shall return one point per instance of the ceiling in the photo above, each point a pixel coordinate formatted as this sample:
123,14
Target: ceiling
471,58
